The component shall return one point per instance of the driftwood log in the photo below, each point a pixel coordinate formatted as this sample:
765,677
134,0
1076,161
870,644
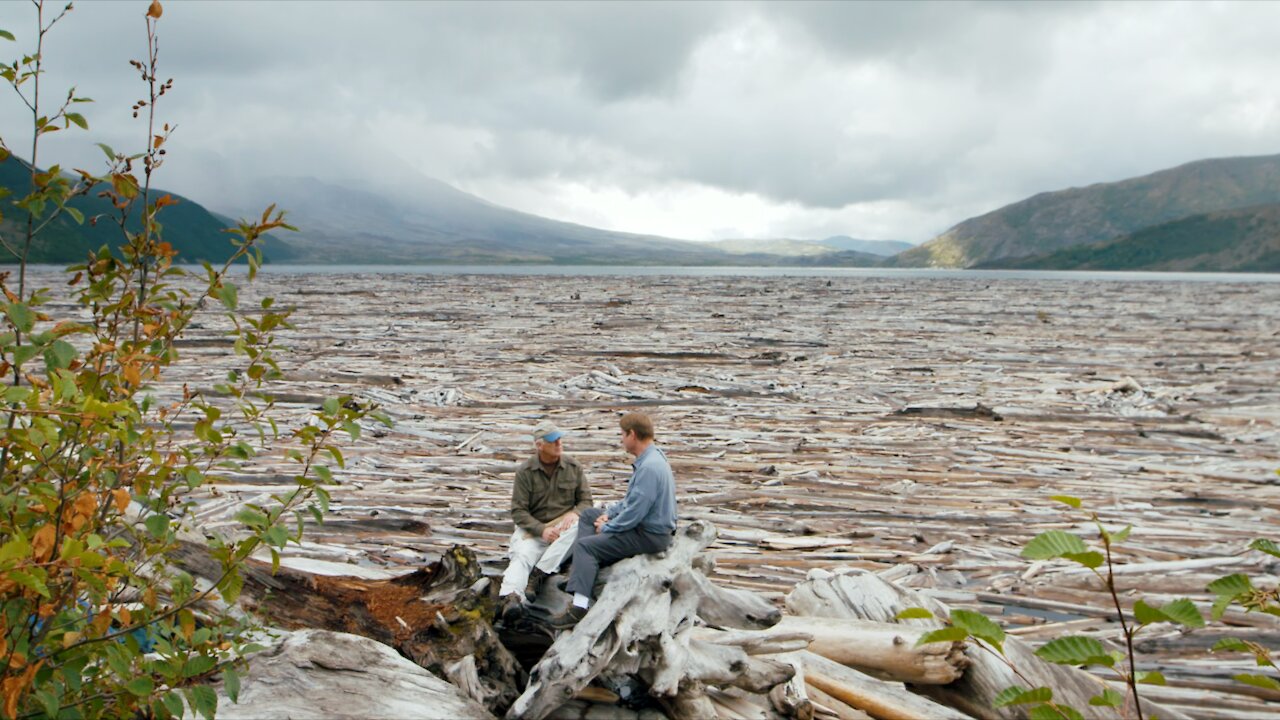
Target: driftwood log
643,625
322,674
437,616
862,595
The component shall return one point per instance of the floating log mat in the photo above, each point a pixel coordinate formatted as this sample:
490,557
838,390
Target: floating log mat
812,410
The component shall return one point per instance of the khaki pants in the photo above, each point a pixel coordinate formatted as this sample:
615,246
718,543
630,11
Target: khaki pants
528,552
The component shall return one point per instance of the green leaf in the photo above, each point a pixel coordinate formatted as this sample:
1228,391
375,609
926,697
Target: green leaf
915,613
1054,712
342,462
330,406
205,700
1090,559
75,214
111,155
252,517
1153,677
1053,544
323,473
23,353
1184,612
78,119
29,580
1067,500
231,587
7,35
1266,546
198,665
22,317
276,536
231,683
173,703
1108,698
1121,536
48,701
59,355
979,626
16,548
1018,696
157,524
1231,585
1147,614
1259,681
142,686
1075,650
946,634
229,295
1220,605
1230,643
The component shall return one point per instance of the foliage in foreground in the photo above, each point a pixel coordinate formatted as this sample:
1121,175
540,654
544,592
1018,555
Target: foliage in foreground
1084,651
101,462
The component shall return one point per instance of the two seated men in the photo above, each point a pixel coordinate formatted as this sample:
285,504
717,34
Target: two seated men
552,509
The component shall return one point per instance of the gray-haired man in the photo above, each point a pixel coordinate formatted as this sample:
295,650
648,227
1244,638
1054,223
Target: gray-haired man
549,494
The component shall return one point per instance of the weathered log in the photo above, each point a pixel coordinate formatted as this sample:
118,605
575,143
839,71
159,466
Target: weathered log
862,595
437,616
825,705
885,650
642,625
322,674
881,700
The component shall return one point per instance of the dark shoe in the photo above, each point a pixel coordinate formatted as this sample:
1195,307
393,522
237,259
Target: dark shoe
536,579
568,618
510,609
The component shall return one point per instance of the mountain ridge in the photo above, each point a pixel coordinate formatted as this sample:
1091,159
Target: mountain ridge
1050,221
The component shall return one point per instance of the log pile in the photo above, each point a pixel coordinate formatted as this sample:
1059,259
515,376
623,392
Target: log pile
818,423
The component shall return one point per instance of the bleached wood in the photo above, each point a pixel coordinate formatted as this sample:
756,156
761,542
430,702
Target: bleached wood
881,700
863,595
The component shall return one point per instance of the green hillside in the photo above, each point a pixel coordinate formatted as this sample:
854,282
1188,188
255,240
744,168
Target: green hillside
1053,221
193,231
1245,240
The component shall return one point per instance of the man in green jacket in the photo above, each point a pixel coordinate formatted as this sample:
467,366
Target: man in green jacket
549,494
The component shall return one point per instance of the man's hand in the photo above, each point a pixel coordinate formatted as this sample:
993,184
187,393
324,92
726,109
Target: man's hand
550,533
600,521
569,520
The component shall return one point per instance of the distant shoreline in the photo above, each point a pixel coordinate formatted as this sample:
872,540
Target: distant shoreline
758,271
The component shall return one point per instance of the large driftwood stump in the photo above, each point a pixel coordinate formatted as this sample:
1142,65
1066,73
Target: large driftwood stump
322,674
437,616
642,625
862,595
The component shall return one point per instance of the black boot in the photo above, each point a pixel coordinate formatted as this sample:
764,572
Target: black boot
536,579
568,618
510,608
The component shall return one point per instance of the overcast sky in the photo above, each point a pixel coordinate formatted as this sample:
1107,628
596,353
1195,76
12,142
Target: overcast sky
689,120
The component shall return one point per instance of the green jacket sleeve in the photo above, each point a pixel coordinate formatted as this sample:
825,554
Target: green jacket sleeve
583,497
520,505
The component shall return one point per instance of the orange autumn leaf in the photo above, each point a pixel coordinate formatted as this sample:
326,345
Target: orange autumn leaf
14,687
126,617
42,543
188,622
121,498
156,10
131,374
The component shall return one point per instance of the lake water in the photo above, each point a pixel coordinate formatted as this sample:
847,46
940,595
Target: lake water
631,271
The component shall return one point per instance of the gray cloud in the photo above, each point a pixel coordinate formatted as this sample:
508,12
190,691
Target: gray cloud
876,119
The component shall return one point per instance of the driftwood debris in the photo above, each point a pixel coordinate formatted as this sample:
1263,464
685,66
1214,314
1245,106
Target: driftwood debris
786,436
642,624
863,595
437,616
314,674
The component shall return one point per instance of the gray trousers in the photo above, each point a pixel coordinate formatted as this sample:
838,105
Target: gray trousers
595,550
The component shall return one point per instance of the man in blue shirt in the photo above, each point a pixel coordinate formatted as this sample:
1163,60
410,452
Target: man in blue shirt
643,522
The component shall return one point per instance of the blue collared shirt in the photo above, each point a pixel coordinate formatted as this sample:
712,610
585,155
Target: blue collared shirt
650,502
